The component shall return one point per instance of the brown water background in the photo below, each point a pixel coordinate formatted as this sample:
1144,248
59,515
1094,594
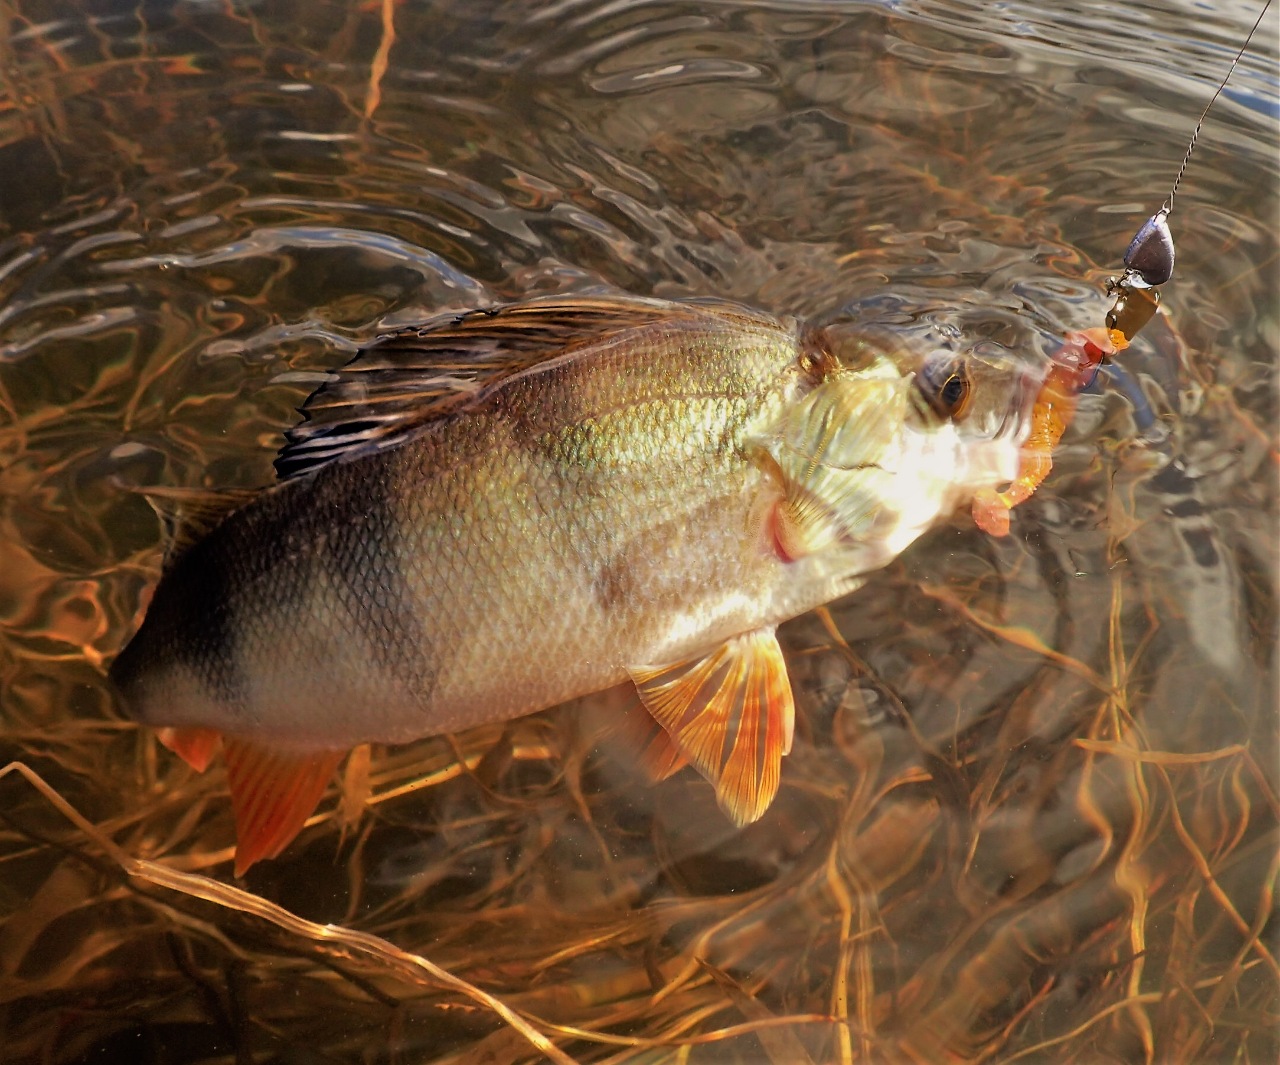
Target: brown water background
1031,813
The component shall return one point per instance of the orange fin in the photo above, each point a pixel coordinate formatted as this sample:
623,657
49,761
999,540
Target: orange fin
273,792
638,731
731,714
661,757
195,746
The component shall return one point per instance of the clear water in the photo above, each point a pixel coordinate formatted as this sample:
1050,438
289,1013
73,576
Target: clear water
1031,812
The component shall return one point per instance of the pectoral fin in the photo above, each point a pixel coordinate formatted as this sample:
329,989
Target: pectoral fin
731,714
826,463
273,792
661,757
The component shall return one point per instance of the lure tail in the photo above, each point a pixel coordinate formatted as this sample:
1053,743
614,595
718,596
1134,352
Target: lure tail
1073,368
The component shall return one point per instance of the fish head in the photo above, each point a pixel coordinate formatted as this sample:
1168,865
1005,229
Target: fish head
892,431
971,413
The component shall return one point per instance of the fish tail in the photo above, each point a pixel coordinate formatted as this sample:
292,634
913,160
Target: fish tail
195,746
273,790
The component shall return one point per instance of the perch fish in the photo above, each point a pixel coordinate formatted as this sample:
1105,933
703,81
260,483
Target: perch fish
506,509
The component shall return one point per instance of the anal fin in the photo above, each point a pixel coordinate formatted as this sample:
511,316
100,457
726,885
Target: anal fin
273,792
195,746
730,713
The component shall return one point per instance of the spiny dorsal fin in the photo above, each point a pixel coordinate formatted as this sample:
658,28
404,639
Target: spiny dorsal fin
405,380
190,514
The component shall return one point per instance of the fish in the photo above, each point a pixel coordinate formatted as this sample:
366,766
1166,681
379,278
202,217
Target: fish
508,508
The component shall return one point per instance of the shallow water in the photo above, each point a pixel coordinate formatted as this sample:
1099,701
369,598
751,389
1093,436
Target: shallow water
1031,813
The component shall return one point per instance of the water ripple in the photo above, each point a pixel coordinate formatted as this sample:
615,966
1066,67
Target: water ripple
210,205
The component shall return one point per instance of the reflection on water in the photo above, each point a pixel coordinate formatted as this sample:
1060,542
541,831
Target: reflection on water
1031,813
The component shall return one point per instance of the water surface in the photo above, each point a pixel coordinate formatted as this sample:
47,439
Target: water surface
1031,812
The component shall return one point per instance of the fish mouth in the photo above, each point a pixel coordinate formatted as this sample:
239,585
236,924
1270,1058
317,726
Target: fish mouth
883,456
936,465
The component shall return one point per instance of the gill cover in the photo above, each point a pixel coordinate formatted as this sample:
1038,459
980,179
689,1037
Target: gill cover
828,456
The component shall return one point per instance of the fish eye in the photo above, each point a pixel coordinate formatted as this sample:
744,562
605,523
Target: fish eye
946,386
954,392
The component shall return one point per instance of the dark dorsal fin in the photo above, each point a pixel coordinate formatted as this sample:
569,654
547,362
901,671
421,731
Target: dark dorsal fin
190,514
404,380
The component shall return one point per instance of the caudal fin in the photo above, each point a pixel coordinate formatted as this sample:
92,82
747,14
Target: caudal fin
273,792
195,746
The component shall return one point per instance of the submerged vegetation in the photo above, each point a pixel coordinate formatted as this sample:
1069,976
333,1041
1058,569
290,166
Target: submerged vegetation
1031,810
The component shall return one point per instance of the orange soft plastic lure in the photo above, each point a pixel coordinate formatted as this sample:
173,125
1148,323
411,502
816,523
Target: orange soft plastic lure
1073,367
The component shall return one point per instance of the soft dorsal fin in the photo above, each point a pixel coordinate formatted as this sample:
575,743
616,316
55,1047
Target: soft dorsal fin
190,514
405,380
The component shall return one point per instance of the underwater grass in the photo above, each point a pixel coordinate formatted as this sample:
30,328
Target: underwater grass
1021,821
1014,889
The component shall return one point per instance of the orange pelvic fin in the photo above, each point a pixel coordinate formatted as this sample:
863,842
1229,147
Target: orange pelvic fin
273,792
731,714
195,746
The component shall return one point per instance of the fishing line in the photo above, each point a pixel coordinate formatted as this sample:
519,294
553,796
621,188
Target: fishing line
1167,207
1148,261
